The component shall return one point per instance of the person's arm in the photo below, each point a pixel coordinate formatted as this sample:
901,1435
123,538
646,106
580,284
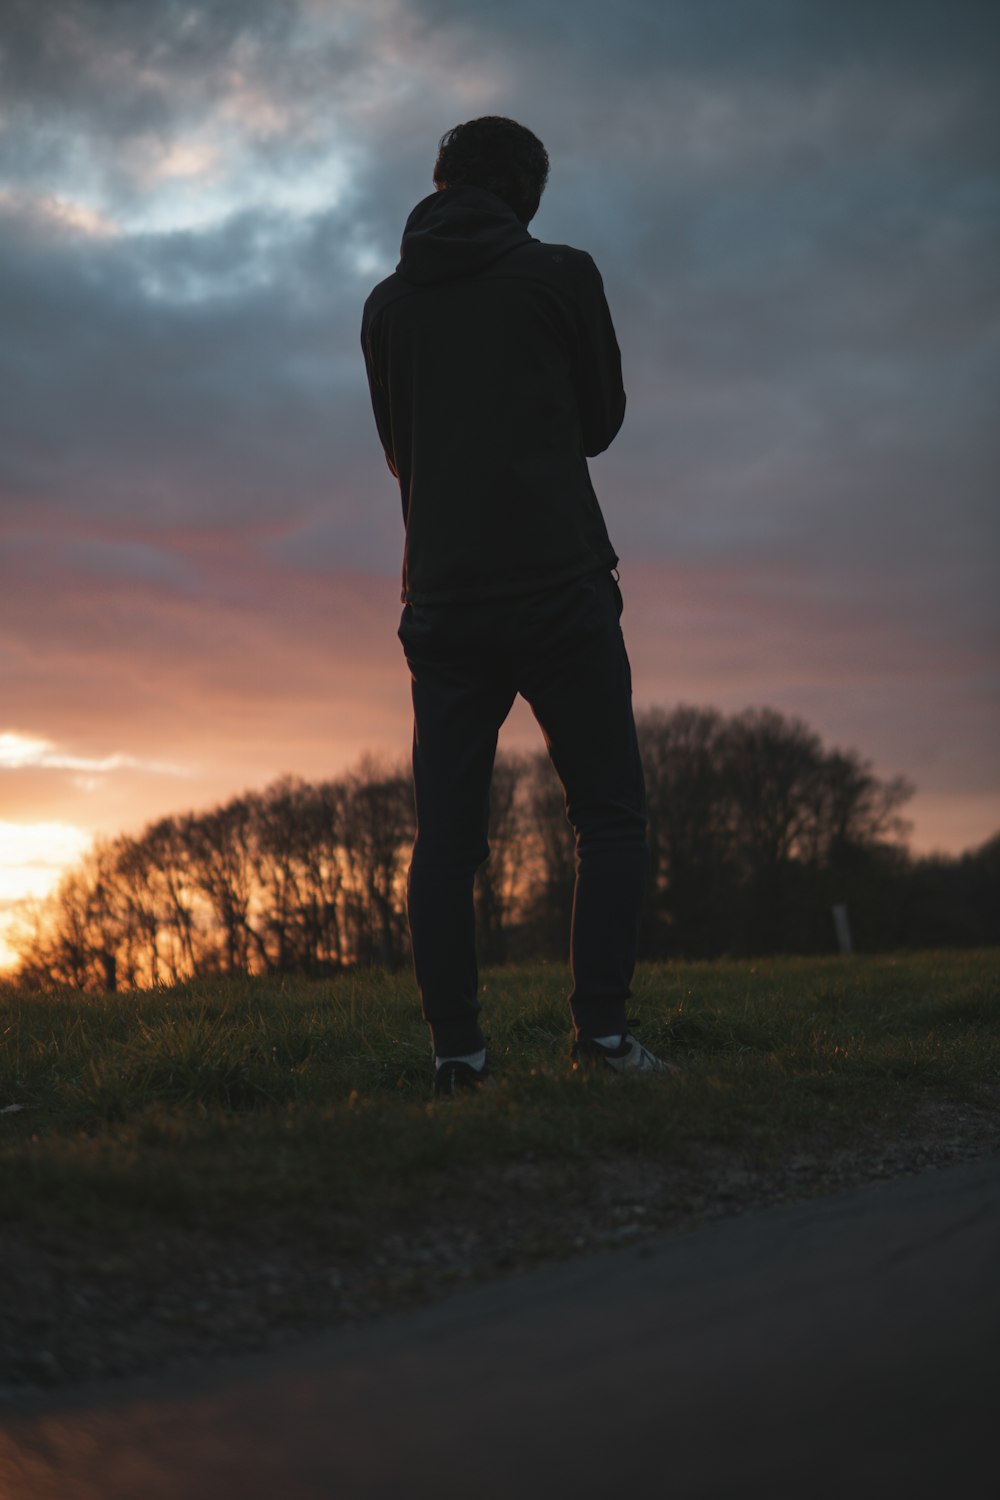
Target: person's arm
380,405
600,392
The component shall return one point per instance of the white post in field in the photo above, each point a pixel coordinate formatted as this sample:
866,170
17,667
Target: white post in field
843,927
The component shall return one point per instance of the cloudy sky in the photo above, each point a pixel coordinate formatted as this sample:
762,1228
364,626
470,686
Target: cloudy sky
795,206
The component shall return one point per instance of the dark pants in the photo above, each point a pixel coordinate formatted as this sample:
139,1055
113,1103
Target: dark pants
563,652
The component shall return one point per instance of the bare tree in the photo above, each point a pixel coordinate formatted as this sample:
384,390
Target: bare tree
143,897
219,846
377,832
321,814
690,802
167,851
853,808
276,855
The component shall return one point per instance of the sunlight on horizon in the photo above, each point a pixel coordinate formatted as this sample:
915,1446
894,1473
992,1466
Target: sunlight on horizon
33,858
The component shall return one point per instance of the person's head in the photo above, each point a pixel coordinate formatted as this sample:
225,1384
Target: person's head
496,154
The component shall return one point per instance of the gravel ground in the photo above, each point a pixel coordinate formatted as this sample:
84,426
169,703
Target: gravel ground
78,1311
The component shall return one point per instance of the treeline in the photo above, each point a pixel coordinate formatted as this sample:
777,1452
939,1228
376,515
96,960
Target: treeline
757,832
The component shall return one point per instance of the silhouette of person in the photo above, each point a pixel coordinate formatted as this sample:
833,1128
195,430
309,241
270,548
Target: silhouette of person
495,373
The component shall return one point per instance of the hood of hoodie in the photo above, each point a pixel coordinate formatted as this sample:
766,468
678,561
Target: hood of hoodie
457,232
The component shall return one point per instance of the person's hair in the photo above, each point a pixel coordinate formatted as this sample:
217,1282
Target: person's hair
496,154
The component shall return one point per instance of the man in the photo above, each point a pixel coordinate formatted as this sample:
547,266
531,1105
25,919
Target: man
494,373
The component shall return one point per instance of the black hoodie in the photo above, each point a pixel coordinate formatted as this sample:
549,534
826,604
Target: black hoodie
494,374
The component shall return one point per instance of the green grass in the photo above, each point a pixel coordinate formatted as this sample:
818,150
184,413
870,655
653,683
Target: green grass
218,1106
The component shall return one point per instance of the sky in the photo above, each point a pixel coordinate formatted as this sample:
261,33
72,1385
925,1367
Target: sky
795,208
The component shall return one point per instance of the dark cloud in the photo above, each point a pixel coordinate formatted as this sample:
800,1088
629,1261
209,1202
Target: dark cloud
90,78
727,36
167,379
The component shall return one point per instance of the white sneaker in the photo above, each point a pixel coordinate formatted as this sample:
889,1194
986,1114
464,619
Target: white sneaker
629,1056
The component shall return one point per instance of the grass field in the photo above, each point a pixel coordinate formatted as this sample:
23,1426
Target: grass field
194,1168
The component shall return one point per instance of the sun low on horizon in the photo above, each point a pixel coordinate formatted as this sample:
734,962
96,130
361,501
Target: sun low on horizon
199,540
33,858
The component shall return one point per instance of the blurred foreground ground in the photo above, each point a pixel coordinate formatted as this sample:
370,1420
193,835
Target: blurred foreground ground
824,1348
